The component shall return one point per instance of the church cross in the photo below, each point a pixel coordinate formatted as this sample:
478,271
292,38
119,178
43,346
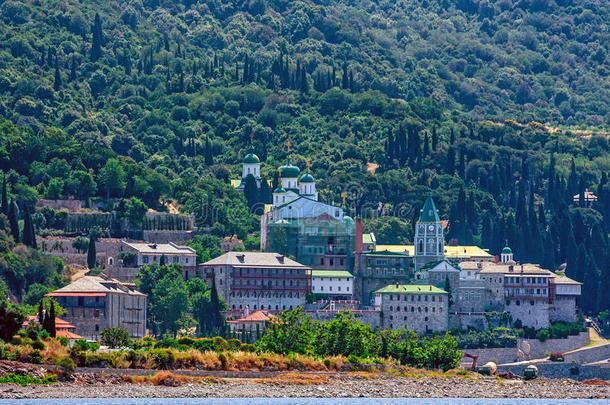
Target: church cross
288,145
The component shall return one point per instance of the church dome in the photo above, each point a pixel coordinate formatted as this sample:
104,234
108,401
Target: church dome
507,251
279,190
289,171
251,158
307,178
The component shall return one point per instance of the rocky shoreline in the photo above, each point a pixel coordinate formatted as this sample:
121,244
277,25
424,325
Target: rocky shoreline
337,385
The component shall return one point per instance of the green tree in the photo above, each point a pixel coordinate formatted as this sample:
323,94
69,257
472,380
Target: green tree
169,303
290,332
91,253
115,337
4,208
81,244
11,318
96,42
112,178
251,191
12,219
136,210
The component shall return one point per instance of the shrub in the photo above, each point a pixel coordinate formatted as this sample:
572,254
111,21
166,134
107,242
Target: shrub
223,360
115,337
24,380
38,345
204,344
556,356
63,341
162,358
220,344
167,342
186,341
35,357
68,366
543,335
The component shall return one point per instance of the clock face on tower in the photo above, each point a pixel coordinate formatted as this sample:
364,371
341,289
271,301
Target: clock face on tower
430,228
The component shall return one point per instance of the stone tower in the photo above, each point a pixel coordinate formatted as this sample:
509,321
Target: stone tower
429,238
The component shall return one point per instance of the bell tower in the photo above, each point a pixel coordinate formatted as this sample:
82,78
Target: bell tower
429,238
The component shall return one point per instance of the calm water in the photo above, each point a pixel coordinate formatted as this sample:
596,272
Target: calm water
305,401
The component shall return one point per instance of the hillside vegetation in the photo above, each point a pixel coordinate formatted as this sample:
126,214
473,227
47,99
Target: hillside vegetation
161,100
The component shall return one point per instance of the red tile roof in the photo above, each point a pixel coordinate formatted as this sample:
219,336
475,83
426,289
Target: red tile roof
258,316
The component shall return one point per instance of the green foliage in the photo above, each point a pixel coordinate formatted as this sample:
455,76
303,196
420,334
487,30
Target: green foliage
115,337
11,318
25,380
492,338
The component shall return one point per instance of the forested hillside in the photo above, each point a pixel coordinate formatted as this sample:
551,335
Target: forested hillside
161,101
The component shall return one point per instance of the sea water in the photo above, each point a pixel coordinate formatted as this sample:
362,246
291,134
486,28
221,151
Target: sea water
304,401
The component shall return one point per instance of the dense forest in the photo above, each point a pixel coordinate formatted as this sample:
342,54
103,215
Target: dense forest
498,108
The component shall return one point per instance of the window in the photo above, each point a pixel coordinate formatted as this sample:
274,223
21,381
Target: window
532,302
391,308
97,328
518,303
81,301
145,259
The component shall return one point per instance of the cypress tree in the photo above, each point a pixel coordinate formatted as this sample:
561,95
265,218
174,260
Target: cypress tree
572,182
448,289
251,191
351,81
73,66
96,42
4,208
434,139
40,313
216,317
57,82
344,79
304,82
209,157
27,228
52,329
12,219
91,253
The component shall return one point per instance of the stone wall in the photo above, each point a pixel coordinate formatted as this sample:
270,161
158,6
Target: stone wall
167,236
563,308
574,371
538,349
465,320
500,355
589,355
372,318
427,312
69,205
533,313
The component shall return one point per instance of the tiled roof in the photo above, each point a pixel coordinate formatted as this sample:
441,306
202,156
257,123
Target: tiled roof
565,280
450,251
59,323
67,334
94,285
258,316
254,259
161,248
331,273
503,268
410,289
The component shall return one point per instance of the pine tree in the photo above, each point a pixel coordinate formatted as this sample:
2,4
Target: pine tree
91,253
12,219
57,82
4,207
96,42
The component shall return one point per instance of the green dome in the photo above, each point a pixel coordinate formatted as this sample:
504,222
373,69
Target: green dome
289,171
507,251
307,178
347,220
251,158
279,190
